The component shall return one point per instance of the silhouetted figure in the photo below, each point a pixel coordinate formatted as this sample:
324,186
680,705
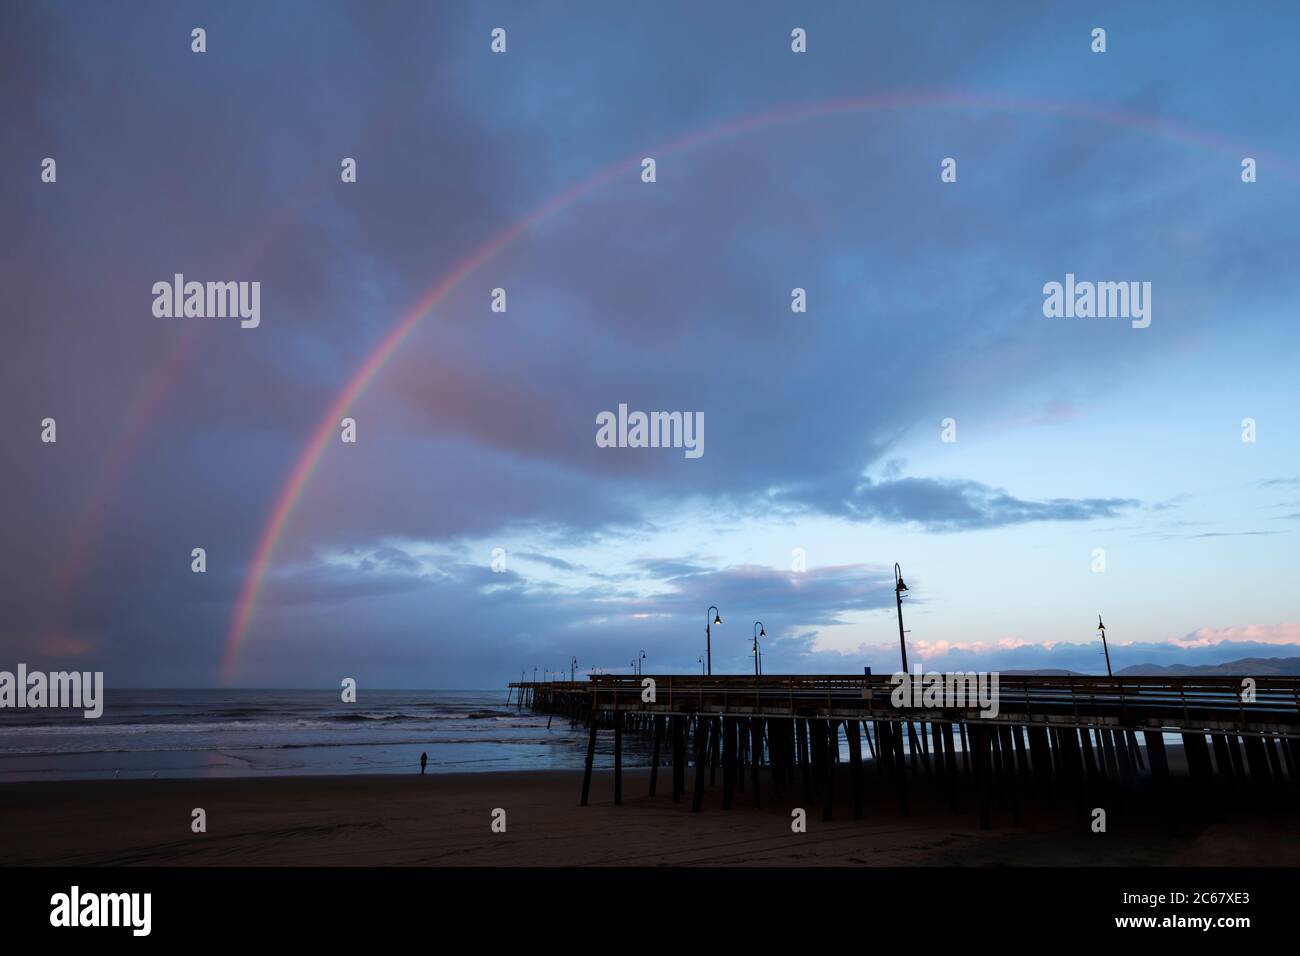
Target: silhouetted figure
424,759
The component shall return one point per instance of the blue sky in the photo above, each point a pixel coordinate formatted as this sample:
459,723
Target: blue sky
822,429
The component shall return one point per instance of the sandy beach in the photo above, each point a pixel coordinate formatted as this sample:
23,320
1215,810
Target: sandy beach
446,820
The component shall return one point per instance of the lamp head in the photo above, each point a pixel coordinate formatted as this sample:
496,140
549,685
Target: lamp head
900,586
717,618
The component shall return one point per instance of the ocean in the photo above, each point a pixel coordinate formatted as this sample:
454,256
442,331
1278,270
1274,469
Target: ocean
245,733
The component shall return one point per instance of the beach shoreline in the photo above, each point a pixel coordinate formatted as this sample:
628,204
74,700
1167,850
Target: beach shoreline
446,820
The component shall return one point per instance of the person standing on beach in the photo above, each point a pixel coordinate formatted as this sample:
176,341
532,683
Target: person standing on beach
424,759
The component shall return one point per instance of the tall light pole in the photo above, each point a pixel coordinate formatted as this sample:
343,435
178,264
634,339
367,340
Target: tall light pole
1104,649
899,588
708,634
534,675
701,665
641,669
573,669
758,668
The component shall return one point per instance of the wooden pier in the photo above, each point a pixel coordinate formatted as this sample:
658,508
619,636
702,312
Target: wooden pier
784,737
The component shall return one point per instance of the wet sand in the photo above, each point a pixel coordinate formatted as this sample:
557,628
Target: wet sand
446,820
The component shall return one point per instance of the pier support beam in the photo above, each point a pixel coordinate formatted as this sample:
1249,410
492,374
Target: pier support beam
1274,759
618,758
715,737
1022,755
1108,753
742,746
1234,751
983,772
1041,758
1135,750
1009,781
728,761
900,769
1089,756
591,755
1127,764
702,728
950,767
1198,757
805,759
913,747
1221,758
1291,752
679,756
1257,759
654,760
855,766
832,751
1158,758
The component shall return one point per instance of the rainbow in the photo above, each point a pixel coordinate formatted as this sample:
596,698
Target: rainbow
300,475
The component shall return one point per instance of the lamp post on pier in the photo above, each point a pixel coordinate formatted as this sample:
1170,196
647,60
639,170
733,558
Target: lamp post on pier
1104,649
899,588
708,635
758,665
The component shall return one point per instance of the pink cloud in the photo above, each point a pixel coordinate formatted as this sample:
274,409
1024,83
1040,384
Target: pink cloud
932,649
1285,633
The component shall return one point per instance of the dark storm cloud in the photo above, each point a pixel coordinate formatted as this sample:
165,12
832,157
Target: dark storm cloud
180,433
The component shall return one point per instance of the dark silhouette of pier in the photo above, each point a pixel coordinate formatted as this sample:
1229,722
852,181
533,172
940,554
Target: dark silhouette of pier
1087,738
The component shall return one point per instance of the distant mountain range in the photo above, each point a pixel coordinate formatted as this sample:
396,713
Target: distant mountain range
1246,667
